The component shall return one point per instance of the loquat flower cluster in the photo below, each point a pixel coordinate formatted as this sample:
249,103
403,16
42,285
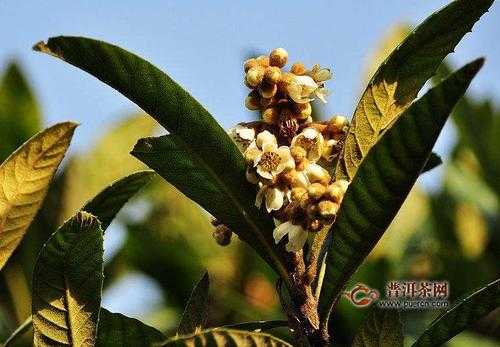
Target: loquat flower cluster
287,153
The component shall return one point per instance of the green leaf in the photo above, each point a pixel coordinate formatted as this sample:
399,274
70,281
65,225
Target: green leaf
463,314
219,337
67,284
382,328
168,156
24,181
198,137
109,202
19,111
195,314
117,330
383,181
398,80
433,162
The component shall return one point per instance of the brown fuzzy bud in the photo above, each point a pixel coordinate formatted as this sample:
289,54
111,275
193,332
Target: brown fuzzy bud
278,57
267,102
298,194
312,211
337,123
252,101
222,235
334,193
272,75
298,69
268,90
303,110
250,63
316,190
271,115
288,178
255,76
328,209
263,61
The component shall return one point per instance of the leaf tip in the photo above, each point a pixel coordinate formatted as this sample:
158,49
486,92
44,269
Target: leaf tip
44,47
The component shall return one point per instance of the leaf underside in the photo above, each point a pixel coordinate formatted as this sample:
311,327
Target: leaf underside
463,314
382,328
196,312
383,181
398,80
219,337
67,284
24,181
199,139
109,202
117,330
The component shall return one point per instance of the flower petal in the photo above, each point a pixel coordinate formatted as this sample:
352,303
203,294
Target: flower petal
316,173
281,230
274,199
265,137
297,238
260,196
245,133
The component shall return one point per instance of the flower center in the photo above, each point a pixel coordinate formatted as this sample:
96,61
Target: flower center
269,161
306,143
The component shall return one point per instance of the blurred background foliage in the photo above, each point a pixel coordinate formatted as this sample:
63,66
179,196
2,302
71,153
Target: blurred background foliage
450,233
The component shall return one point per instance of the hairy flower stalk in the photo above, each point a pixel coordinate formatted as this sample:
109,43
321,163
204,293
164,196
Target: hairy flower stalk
289,158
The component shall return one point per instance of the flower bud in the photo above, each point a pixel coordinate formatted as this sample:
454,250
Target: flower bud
266,102
272,75
268,90
271,115
250,63
298,153
298,69
255,76
328,209
222,235
298,194
278,57
312,211
303,110
288,178
252,101
334,193
342,184
263,61
337,123
316,190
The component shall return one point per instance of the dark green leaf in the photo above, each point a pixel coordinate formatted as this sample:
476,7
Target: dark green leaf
67,284
219,337
398,80
195,314
463,314
168,156
383,181
109,202
19,112
382,328
198,137
433,162
117,330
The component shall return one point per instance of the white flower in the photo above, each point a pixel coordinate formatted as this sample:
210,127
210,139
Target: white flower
319,74
322,93
301,88
274,197
328,149
316,173
242,136
311,141
297,236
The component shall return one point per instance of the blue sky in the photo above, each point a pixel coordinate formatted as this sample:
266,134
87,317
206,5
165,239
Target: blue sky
202,44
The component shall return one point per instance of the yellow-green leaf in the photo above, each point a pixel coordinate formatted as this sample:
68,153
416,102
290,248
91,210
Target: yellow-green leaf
24,181
226,337
67,284
398,80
